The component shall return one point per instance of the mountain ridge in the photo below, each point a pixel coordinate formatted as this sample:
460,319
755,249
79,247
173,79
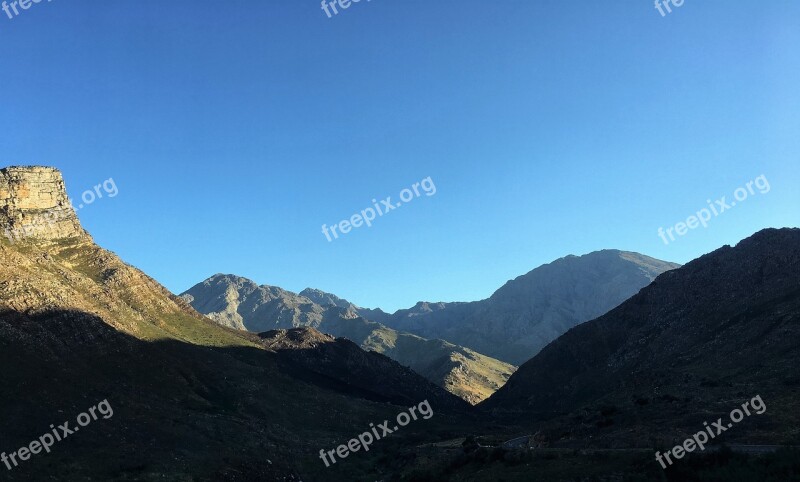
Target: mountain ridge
528,312
243,304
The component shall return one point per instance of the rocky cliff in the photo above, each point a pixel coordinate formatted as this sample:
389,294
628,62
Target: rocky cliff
34,204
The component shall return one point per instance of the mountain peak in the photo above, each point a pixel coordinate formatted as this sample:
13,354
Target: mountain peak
608,265
323,298
34,205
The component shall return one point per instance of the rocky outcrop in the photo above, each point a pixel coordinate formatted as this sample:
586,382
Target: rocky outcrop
34,204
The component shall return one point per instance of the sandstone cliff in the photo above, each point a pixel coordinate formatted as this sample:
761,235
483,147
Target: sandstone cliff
34,204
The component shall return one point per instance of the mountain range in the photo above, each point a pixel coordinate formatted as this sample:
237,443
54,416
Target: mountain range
252,389
240,303
78,325
528,312
512,325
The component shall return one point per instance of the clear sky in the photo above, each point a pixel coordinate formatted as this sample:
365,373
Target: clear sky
235,130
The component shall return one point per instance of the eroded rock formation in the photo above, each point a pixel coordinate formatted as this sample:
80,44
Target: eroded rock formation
34,204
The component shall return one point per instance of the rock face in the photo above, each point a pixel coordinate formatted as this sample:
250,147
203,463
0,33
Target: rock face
240,303
34,204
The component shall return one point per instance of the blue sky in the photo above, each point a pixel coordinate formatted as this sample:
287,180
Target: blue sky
235,130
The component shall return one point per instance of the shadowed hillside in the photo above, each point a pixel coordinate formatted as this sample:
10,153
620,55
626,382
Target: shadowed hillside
690,347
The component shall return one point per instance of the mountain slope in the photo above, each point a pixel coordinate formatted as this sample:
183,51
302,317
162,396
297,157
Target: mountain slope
78,326
529,312
309,354
688,348
240,303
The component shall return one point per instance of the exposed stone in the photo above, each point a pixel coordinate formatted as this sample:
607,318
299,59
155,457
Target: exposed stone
34,205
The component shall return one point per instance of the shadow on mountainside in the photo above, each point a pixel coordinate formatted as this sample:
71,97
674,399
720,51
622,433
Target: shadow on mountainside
180,410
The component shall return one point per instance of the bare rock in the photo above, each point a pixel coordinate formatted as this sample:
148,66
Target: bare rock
34,204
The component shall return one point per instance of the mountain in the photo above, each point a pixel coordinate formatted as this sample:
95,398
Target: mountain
688,348
191,400
240,303
529,312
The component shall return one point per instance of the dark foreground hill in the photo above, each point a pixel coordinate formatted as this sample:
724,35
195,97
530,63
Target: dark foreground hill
689,348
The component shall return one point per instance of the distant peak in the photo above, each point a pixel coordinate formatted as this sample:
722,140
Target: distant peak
611,254
229,279
323,298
